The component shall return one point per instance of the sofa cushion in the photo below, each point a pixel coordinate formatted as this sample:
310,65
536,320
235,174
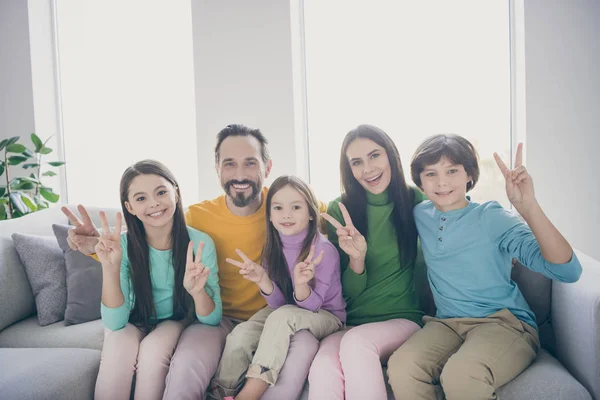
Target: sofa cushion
84,281
16,297
37,374
44,264
28,333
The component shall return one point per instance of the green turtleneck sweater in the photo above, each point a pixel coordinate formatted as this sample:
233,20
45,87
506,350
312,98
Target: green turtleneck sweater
386,289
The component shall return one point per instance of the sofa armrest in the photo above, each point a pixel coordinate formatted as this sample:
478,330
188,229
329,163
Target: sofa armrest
576,323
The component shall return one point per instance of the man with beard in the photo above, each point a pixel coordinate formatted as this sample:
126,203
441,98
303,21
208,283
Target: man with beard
234,220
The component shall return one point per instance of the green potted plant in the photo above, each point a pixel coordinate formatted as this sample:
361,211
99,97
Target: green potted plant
24,195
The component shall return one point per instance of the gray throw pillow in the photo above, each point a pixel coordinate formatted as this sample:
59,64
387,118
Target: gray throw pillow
84,281
44,264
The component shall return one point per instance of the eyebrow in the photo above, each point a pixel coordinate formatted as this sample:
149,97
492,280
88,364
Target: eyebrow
245,159
155,189
368,155
293,202
430,168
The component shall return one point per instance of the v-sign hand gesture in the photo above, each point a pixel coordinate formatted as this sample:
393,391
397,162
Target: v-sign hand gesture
519,184
108,248
304,271
248,268
349,238
84,236
196,273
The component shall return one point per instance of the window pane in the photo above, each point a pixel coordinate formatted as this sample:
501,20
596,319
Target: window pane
126,71
413,68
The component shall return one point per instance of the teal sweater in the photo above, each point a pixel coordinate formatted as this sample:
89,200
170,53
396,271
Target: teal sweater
385,290
162,275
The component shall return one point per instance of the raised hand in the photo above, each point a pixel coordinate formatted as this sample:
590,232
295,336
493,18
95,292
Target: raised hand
108,248
349,238
196,273
248,269
519,184
84,236
304,271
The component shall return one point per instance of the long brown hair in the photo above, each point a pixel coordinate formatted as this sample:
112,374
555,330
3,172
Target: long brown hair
138,251
354,196
272,254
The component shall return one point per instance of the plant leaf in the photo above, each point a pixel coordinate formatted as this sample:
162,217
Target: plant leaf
23,185
49,195
29,202
27,153
56,163
37,142
1,168
3,144
30,179
2,191
16,160
41,202
3,214
15,199
27,166
45,150
13,139
15,148
48,173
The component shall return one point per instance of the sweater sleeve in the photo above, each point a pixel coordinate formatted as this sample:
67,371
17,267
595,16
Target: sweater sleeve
209,259
353,284
276,299
322,280
116,318
515,237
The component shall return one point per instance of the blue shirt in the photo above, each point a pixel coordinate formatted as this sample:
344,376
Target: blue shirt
162,275
469,259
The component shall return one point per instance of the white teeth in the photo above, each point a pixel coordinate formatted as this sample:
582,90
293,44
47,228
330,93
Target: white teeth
374,178
156,214
241,186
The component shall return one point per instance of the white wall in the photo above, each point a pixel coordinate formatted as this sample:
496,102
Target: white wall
16,100
562,55
243,74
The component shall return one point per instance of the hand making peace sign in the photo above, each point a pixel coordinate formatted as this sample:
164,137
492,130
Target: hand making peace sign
108,248
84,236
304,271
519,184
349,238
196,273
248,269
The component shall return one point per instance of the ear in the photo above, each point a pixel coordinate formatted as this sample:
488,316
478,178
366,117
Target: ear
268,168
129,208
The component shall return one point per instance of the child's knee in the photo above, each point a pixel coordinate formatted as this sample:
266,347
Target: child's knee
465,379
354,346
282,315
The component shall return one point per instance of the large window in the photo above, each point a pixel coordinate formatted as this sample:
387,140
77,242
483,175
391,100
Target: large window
413,68
127,91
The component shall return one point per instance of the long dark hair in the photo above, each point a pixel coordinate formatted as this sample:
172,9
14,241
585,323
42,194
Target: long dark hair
354,196
272,254
138,251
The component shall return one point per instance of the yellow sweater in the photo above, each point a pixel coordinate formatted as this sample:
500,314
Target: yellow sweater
241,298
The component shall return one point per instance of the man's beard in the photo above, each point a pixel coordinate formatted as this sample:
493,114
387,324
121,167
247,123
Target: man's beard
239,200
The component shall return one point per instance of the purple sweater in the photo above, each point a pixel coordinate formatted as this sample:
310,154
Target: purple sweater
326,286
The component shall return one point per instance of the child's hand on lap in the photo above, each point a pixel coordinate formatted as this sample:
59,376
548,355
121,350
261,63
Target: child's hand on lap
196,273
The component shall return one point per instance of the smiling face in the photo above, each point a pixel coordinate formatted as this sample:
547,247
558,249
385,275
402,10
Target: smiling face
289,211
370,165
445,184
241,169
152,199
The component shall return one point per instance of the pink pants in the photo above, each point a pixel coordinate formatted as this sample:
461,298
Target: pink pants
354,356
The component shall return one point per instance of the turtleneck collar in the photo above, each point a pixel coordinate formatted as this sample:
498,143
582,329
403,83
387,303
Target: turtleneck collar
294,240
378,199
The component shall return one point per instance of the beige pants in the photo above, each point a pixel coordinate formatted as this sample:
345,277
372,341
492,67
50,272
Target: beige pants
462,358
260,345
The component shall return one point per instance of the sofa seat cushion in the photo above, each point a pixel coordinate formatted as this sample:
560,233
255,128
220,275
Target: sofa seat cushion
28,333
38,374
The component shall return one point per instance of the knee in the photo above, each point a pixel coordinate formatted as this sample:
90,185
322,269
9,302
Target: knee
282,315
306,341
403,370
124,341
354,345
323,365
459,379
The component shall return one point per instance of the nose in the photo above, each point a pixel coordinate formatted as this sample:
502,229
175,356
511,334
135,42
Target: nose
368,167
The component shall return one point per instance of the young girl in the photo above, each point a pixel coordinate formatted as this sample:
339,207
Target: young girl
302,292
373,227
484,333
152,284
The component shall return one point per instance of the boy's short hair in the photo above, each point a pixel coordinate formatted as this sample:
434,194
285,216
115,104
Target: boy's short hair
454,147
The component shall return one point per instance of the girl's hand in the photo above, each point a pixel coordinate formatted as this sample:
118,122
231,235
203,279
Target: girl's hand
84,236
305,271
248,269
349,238
519,184
108,248
196,273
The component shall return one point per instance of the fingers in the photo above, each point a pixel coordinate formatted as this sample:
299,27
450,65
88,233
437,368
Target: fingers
235,262
319,258
311,253
70,241
190,255
85,216
104,223
242,255
501,164
199,251
332,221
119,221
516,173
519,156
74,219
346,215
